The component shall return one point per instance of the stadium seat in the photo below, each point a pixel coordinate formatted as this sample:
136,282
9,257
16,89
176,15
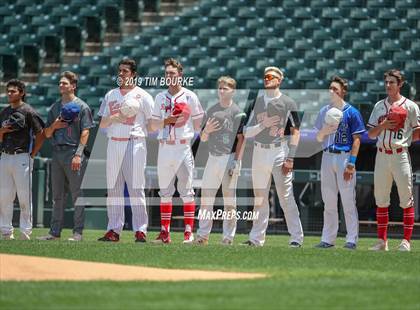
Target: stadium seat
365,44
379,3
317,84
394,45
249,12
335,12
344,24
383,34
372,24
279,43
294,3
369,75
78,69
387,65
375,87
216,72
325,34
344,73
411,34
307,44
208,32
351,3
406,4
277,12
336,44
322,3
287,53
413,14
376,54
247,73
240,31
36,90
308,74
289,83
402,24
315,23
363,98
362,13
317,54
95,60
403,55
172,51
220,12
327,64
220,42
230,52
390,14
49,79
296,33
354,33
359,64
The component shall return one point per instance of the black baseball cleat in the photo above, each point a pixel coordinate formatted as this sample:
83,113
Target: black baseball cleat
110,236
294,244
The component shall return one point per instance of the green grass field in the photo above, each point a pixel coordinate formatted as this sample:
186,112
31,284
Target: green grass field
305,278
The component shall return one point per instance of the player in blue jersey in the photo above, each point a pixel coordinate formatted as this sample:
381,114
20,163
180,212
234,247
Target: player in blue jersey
341,142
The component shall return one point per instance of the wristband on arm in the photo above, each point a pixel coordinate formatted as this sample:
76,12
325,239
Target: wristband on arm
80,150
292,152
352,161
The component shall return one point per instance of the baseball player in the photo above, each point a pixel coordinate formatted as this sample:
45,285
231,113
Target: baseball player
68,124
223,131
392,158
19,124
126,152
341,142
177,115
273,119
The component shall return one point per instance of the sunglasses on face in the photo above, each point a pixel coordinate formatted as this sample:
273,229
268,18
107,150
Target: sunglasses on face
269,77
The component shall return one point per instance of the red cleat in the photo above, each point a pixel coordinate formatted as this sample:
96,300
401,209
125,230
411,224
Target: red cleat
140,237
163,237
110,236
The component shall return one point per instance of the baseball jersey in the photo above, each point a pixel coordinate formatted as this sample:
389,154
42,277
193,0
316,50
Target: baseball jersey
225,139
351,124
164,104
388,139
70,135
20,141
133,126
288,118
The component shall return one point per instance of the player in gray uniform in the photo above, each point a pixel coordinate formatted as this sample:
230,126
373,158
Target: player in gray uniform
19,124
69,139
273,119
223,131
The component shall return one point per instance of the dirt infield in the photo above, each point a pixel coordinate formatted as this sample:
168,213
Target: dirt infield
33,268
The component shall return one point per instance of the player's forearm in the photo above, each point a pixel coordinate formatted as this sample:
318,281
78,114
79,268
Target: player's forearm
105,122
240,146
204,136
320,136
374,132
49,131
356,145
294,137
156,124
39,140
252,131
84,137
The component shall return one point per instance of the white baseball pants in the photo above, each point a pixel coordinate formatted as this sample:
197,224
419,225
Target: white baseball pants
267,162
175,160
332,182
216,174
126,162
16,178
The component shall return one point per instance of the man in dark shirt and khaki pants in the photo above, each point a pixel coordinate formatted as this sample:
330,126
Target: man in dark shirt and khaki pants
19,124
69,139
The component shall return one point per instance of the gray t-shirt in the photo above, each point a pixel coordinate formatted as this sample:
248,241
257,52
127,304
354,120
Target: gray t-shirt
231,121
70,136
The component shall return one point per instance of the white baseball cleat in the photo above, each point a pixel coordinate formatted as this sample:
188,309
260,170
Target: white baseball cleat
8,237
381,245
188,237
404,246
75,237
226,241
24,236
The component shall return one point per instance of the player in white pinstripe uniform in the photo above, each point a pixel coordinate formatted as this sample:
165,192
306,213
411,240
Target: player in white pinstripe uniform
175,156
126,153
392,158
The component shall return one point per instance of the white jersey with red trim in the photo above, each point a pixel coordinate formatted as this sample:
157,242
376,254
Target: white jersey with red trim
388,139
164,104
133,126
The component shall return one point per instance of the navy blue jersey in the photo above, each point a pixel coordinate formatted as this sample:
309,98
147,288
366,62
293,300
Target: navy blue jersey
351,124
